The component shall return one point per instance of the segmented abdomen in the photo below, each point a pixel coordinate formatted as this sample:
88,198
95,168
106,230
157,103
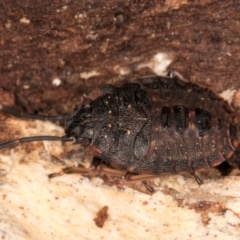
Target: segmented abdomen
192,128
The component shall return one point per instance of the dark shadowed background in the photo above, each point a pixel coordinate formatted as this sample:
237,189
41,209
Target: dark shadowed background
84,44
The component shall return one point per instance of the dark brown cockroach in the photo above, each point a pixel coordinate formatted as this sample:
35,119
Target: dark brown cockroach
151,126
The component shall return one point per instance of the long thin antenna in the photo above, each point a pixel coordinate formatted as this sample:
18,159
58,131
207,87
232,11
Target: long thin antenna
15,142
17,113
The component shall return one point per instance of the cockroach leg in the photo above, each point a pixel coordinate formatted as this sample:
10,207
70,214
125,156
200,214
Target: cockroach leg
147,186
71,170
113,172
142,177
197,178
96,162
139,177
58,174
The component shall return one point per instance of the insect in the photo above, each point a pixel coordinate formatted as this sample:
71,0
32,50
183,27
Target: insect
151,126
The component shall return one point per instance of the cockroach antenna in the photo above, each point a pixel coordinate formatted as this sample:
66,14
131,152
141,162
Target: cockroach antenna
17,113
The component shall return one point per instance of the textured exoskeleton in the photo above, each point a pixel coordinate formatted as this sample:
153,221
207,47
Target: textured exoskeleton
158,124
153,125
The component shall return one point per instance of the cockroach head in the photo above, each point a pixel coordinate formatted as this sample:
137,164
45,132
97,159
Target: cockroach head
79,125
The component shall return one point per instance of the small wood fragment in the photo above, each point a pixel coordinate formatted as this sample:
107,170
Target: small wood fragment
101,217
